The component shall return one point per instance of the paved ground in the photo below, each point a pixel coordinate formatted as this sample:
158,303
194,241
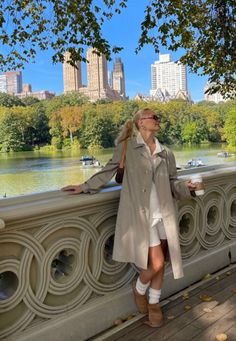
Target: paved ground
202,313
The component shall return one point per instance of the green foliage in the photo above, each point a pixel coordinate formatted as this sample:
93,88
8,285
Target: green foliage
26,26
9,100
230,129
29,100
99,131
11,137
59,102
205,29
57,142
38,132
96,125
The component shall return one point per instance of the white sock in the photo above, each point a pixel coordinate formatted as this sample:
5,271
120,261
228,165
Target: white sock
154,296
140,287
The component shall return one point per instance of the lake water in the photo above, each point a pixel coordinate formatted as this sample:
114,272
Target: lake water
32,172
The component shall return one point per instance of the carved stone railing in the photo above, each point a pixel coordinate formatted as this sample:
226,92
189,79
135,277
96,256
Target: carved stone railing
57,278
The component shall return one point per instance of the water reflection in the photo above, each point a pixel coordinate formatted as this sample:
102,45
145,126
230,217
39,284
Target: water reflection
33,172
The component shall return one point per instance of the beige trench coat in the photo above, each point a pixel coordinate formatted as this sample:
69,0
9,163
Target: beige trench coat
132,227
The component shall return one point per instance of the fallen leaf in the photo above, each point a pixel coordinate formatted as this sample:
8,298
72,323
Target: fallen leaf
185,296
118,322
221,337
207,310
228,273
206,298
233,290
187,307
217,278
171,317
129,317
207,276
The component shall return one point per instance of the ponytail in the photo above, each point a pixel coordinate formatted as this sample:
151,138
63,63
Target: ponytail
126,132
128,128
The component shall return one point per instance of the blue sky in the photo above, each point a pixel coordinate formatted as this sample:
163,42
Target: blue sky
122,30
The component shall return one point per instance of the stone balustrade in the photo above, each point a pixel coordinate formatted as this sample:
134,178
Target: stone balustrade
57,278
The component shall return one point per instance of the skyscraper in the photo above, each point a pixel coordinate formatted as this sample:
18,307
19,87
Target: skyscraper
216,97
14,82
71,75
97,74
168,77
3,83
118,77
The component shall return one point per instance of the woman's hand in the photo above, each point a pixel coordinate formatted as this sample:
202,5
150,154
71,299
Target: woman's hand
190,186
72,189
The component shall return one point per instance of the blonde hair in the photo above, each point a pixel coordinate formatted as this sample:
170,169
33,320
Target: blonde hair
127,130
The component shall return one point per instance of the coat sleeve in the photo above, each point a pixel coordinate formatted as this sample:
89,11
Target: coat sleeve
101,178
179,189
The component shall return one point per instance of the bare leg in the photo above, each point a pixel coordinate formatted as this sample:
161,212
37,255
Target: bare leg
156,265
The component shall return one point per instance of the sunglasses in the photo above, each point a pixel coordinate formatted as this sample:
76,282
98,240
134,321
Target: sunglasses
153,117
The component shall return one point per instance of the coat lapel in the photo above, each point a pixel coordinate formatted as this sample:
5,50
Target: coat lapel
161,156
140,148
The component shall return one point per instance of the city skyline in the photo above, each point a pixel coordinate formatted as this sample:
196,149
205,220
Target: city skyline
122,30
97,86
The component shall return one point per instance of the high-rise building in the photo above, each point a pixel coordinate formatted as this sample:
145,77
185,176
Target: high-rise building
14,82
168,77
97,74
27,87
216,97
3,83
41,94
118,77
97,78
71,75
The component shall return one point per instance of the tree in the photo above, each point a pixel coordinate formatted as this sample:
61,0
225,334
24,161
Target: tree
98,131
61,25
205,29
29,100
71,99
38,132
70,120
9,100
11,134
230,129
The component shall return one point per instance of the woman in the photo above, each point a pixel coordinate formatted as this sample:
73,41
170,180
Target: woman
146,221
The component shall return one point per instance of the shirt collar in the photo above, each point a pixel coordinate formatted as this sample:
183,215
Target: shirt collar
159,148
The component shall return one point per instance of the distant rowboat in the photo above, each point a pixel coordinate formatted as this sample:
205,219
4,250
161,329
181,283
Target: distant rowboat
193,163
224,154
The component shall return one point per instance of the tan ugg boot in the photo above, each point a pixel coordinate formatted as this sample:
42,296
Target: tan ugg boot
155,315
140,300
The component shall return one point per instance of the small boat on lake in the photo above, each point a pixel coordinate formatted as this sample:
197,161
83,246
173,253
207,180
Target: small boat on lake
87,158
224,154
194,163
90,162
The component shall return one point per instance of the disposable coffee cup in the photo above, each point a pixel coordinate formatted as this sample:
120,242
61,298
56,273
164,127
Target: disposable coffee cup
197,181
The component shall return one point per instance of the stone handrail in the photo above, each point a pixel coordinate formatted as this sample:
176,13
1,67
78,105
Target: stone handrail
55,257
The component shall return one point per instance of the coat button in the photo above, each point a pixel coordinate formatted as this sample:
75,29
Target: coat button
144,190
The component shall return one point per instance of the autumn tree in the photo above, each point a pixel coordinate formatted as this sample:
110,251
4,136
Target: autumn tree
70,118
